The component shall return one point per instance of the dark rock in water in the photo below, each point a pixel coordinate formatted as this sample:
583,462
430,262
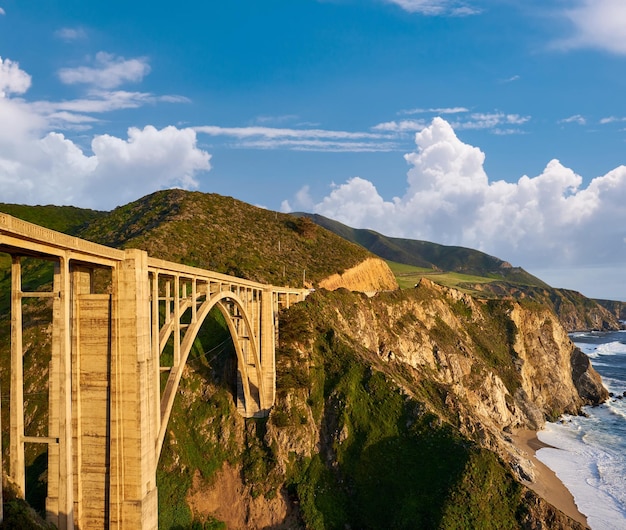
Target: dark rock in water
586,380
611,394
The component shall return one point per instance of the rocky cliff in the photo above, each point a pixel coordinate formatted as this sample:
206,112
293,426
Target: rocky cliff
394,411
618,309
575,311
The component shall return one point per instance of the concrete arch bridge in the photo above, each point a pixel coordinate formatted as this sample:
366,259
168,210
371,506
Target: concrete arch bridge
108,409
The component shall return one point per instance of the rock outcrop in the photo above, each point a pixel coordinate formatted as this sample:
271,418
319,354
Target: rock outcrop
371,275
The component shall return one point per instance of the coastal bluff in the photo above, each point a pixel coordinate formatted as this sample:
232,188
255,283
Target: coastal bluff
368,380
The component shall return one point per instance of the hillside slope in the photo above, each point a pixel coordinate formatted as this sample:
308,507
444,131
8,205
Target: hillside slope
225,235
428,255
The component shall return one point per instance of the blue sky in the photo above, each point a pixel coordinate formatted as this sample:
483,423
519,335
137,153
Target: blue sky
315,105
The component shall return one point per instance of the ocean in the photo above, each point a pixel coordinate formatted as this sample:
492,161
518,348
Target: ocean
590,454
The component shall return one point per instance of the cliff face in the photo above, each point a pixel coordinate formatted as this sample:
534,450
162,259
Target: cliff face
400,405
370,275
618,309
505,365
575,311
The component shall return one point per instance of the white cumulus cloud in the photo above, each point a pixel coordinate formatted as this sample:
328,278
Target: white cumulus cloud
547,220
599,24
54,170
109,71
13,80
40,165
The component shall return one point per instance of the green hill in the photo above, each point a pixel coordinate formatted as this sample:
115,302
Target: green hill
66,219
429,255
476,273
228,236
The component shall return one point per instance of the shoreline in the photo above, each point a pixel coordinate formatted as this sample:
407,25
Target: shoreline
546,484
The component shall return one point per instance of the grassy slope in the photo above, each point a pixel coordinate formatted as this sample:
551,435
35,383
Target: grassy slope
225,235
409,275
429,255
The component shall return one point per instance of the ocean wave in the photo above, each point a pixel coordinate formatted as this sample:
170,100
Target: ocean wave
593,474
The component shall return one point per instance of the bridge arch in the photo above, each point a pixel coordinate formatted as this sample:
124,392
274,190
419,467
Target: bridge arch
246,342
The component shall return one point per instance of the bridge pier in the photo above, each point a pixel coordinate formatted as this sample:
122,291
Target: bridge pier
133,497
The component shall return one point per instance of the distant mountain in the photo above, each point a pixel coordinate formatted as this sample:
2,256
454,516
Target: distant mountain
429,255
575,311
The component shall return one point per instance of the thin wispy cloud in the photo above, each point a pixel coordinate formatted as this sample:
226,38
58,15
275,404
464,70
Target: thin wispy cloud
328,146
490,120
2,11
497,122
259,137
612,119
286,118
437,7
108,71
436,110
577,118
511,79
70,34
66,114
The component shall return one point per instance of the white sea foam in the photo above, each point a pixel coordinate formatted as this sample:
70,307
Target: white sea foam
593,474
590,458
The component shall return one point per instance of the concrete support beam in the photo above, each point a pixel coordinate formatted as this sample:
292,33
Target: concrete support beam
134,502
16,426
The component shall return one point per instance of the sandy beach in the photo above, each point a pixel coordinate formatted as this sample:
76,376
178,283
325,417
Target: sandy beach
546,483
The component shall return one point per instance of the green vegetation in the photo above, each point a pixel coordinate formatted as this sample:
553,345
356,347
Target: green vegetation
427,255
386,461
228,236
409,275
66,219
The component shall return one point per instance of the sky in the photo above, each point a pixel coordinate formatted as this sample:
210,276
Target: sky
498,125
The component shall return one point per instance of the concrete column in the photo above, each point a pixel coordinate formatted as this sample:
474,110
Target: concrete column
134,502
267,352
176,320
156,349
16,438
60,498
